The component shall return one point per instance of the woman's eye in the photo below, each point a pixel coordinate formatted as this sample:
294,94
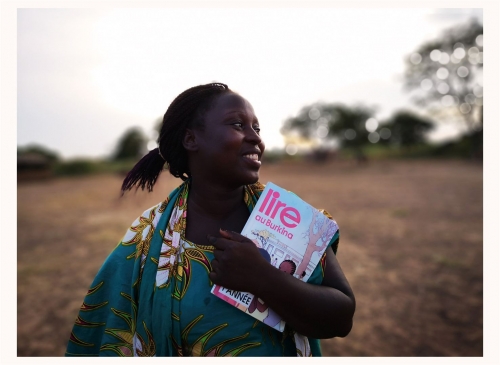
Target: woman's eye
238,124
256,128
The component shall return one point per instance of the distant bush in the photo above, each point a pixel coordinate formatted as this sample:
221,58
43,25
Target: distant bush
273,156
469,146
83,166
31,149
77,167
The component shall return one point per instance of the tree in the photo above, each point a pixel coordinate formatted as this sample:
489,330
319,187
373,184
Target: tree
131,145
448,72
325,122
321,230
31,149
407,129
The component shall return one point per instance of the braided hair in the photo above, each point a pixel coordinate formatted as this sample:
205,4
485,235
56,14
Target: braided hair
186,111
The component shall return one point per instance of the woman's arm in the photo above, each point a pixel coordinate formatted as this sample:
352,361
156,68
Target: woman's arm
318,311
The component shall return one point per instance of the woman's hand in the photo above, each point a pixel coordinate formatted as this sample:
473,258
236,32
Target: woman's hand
318,311
237,262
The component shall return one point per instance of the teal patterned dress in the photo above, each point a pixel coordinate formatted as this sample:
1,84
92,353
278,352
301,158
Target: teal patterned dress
152,297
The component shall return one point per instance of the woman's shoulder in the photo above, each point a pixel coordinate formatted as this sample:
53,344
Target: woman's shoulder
151,214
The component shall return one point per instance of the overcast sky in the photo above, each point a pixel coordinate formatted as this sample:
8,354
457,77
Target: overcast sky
86,75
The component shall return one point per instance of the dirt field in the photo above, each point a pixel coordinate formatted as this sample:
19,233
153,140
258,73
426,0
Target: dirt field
411,246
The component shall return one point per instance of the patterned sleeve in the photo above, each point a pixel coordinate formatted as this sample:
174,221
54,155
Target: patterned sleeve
106,321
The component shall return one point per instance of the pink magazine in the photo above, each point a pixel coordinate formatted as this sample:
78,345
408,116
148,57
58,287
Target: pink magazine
291,235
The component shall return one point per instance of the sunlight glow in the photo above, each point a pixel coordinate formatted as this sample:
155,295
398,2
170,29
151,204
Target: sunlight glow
322,131
479,40
442,73
416,58
459,53
470,98
152,145
371,125
443,88
473,52
322,121
350,134
373,137
435,55
478,91
462,71
291,149
385,133
465,108
447,100
314,113
444,58
426,84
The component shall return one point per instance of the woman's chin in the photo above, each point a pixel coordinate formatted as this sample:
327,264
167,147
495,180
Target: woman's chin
250,178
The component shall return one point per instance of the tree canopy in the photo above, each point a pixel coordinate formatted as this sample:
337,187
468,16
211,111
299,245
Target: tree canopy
328,121
132,144
448,72
407,129
51,156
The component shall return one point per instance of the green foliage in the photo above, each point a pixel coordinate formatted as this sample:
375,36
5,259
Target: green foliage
131,145
331,121
457,66
157,125
407,128
51,156
272,156
469,146
77,167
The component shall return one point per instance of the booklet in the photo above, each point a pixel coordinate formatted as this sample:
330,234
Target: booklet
292,235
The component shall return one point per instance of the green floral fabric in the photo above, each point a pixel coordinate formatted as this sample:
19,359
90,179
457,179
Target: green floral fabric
152,297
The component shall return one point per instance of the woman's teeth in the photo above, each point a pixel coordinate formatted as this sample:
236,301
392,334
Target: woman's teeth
254,157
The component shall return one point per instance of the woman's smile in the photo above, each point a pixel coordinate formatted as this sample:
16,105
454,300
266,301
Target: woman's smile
252,160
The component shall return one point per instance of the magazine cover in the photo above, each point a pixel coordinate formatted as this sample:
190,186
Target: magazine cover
291,235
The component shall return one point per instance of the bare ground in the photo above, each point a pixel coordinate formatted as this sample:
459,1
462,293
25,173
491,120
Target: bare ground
411,246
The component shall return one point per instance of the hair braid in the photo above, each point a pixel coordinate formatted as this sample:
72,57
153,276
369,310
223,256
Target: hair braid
186,111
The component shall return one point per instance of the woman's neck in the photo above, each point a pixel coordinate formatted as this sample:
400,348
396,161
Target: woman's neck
215,202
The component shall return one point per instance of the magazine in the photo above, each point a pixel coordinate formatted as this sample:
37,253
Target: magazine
291,235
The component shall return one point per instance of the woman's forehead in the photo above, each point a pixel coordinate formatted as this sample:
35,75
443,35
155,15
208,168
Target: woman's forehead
229,102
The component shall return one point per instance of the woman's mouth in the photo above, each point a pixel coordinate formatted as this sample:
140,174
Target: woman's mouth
252,159
252,156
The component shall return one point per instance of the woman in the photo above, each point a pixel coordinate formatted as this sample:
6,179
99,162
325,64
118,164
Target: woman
152,295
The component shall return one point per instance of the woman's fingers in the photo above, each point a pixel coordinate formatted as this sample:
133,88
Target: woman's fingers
215,265
218,242
233,236
218,254
214,274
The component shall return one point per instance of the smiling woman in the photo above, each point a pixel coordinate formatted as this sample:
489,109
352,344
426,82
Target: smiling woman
152,295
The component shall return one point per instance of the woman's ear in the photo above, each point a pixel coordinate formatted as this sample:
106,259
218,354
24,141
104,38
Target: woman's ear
189,141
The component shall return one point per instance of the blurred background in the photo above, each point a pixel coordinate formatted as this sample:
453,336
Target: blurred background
375,115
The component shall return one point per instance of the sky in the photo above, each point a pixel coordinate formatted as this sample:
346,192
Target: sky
86,75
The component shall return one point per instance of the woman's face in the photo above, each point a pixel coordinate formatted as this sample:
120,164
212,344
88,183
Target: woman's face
229,148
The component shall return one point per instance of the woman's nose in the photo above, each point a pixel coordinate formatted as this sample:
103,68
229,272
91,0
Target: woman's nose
253,137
